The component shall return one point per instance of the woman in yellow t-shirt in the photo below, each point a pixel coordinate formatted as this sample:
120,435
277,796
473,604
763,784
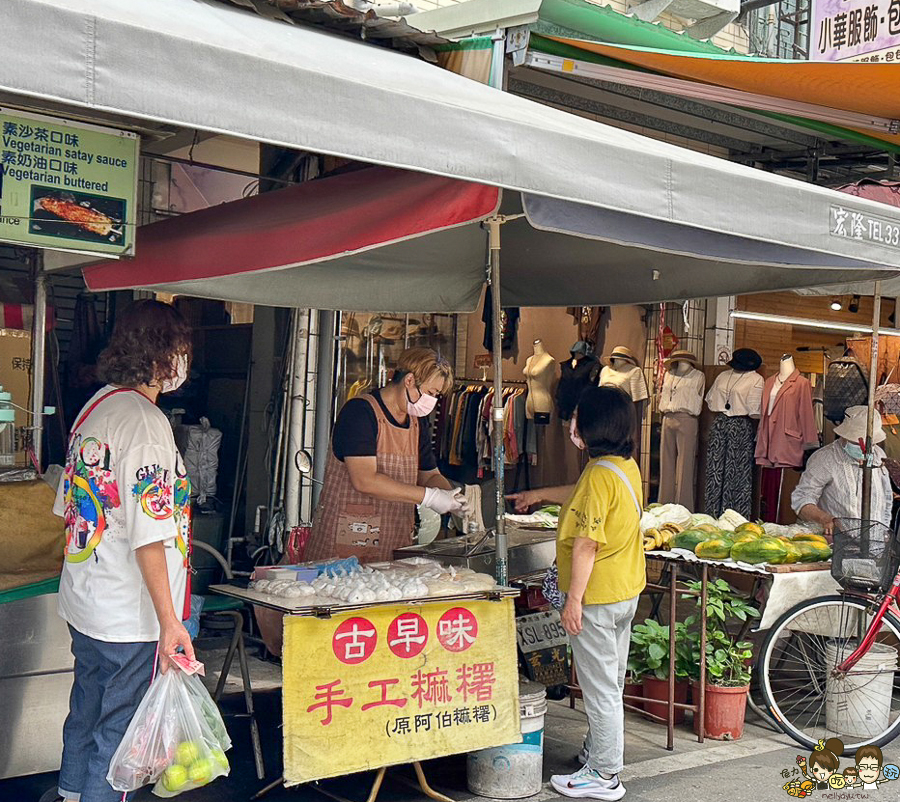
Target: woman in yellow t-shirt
601,571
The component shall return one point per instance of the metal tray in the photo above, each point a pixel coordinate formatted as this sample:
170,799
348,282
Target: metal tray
530,551
327,610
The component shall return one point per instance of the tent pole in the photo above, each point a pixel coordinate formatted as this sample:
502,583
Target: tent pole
501,572
324,398
866,512
38,355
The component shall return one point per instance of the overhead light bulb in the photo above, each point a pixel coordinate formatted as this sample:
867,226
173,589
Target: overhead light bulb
853,306
836,304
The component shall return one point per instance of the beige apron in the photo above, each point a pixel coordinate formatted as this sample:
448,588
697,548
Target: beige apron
348,523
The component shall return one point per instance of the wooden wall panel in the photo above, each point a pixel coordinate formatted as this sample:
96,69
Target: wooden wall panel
772,340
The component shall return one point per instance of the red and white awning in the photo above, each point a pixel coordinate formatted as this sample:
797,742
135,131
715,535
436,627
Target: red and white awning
380,239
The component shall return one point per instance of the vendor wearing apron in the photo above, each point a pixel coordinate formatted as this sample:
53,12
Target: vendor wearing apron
381,465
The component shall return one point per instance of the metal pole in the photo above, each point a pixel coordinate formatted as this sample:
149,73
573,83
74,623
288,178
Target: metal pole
866,512
499,457
324,399
38,353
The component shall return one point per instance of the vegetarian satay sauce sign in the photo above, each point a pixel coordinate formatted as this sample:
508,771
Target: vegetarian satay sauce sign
67,186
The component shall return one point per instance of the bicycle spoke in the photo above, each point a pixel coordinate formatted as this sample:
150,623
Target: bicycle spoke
800,685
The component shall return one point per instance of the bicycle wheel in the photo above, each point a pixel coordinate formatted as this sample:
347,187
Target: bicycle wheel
807,701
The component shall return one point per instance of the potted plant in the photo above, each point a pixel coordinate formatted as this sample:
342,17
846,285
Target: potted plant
650,643
728,660
637,670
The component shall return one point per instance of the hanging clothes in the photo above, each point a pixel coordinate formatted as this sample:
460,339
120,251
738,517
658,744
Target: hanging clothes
509,324
729,465
573,381
589,319
788,425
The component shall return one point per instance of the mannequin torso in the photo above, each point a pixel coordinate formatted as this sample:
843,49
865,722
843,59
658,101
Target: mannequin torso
682,389
540,373
736,393
626,376
785,371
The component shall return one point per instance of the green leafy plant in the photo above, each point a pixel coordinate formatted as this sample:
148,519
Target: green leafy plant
726,657
649,653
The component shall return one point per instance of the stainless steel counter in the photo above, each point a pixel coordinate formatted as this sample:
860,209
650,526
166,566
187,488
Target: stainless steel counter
36,667
530,550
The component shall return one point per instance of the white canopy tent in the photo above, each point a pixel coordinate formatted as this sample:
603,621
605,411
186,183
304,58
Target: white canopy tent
628,218
213,67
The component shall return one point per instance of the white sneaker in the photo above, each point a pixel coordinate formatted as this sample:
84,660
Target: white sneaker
588,784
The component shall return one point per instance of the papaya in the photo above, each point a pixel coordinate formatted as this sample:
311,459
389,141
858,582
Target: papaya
794,553
716,548
808,537
754,528
690,538
813,551
710,528
762,550
744,537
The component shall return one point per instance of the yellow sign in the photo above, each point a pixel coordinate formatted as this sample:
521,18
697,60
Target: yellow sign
395,684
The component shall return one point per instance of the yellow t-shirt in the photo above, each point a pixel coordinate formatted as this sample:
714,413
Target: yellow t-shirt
602,509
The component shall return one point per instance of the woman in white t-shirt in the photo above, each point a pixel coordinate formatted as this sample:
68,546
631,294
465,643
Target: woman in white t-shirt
125,497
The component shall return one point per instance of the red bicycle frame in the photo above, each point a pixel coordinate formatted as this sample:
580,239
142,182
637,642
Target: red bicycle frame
891,596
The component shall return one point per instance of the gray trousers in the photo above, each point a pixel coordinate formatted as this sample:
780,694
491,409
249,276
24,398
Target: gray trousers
601,656
678,459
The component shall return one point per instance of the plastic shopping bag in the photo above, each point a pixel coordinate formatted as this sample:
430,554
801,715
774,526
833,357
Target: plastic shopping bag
177,739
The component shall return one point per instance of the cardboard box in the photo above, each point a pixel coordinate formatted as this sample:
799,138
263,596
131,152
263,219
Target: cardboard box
15,376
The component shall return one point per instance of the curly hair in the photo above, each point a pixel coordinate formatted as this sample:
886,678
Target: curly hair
147,337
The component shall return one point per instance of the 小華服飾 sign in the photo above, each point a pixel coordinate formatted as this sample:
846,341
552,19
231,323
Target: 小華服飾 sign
855,30
394,684
67,186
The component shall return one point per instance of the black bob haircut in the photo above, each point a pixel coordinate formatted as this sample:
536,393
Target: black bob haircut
606,422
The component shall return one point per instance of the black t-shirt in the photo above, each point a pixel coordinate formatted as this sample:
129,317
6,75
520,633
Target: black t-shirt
356,432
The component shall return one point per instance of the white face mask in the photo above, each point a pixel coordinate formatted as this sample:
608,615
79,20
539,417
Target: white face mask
181,368
423,407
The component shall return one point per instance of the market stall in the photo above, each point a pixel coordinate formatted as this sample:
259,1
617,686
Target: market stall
389,664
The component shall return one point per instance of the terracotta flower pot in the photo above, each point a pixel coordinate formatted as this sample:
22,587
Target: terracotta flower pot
658,689
634,688
725,710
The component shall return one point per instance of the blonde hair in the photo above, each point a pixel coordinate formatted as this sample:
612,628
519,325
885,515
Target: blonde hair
424,364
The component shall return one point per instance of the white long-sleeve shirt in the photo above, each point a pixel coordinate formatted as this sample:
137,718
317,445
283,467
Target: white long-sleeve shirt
832,481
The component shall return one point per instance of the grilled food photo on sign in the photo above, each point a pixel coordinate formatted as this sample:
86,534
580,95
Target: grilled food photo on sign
85,217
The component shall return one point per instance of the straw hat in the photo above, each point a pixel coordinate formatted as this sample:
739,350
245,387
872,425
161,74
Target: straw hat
621,352
681,356
854,426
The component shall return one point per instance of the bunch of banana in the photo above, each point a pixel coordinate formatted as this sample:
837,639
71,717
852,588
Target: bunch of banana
662,537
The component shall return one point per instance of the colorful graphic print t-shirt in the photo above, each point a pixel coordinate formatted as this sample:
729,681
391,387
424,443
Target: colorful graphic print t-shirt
124,487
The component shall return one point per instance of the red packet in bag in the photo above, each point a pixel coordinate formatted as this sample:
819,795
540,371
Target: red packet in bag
188,666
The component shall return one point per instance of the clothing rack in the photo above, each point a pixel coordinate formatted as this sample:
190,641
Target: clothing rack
490,382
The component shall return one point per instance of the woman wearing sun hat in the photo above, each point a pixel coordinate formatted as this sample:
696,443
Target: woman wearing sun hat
831,485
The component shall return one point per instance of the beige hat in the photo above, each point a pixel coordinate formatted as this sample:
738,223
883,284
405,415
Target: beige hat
681,356
621,352
854,426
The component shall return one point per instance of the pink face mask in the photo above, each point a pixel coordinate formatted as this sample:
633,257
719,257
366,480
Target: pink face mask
423,407
574,436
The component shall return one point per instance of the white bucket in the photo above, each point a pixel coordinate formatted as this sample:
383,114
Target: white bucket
859,705
516,770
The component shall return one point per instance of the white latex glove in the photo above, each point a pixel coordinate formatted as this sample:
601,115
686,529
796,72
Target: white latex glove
443,501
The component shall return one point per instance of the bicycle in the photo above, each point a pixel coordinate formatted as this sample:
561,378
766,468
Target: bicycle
829,665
